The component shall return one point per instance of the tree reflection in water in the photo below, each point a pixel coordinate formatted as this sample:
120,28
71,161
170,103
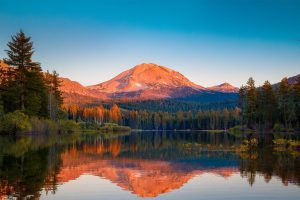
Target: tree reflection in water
146,163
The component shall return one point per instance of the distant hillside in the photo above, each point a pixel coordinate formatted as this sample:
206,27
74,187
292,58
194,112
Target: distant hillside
75,93
224,87
149,82
292,80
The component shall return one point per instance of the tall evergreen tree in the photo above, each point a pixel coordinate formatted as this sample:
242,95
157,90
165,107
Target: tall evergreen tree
251,103
267,107
1,108
19,56
9,90
56,85
28,79
55,99
36,98
286,103
296,93
242,103
225,118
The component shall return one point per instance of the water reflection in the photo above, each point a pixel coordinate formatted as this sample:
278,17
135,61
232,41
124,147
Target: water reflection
147,164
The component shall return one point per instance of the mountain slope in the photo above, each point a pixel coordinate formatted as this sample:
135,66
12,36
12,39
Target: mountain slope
150,82
147,81
224,87
143,77
143,82
74,92
292,80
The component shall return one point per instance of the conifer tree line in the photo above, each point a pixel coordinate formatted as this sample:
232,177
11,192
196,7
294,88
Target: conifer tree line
23,85
270,107
261,108
174,105
158,120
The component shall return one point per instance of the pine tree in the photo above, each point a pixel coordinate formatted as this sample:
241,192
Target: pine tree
9,89
251,103
242,103
36,96
225,118
267,107
19,56
1,108
296,94
286,103
55,99
56,86
25,87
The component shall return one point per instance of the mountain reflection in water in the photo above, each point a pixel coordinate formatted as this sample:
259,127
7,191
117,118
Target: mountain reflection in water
148,164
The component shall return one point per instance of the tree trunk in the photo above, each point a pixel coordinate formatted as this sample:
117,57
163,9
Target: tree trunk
22,102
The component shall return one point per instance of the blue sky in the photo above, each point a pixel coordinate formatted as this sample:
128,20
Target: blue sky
209,41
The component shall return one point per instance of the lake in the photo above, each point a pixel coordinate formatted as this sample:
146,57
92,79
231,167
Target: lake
139,165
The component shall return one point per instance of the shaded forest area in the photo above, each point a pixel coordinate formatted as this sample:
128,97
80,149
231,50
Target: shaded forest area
28,96
159,120
270,107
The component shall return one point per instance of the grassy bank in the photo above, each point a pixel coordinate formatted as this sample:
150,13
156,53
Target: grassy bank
18,123
105,127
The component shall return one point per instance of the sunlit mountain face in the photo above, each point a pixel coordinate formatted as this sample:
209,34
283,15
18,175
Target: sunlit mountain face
143,77
144,164
145,81
224,87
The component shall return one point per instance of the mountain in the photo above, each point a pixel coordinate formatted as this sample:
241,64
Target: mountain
148,81
144,82
292,80
224,87
145,77
74,92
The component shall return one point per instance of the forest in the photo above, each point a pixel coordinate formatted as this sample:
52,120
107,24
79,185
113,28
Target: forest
156,120
26,92
31,100
262,108
23,84
270,107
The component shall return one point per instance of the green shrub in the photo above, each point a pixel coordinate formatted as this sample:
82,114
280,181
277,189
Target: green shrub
62,115
277,127
280,142
68,126
294,144
43,125
236,130
89,126
15,122
111,127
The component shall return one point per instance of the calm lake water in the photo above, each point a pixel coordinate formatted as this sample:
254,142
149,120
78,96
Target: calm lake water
160,165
